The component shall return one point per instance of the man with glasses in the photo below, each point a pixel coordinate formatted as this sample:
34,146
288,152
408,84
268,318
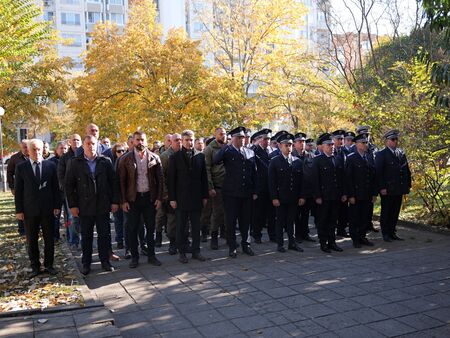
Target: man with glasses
394,181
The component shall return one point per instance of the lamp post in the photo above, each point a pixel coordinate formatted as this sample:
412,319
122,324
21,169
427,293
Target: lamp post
2,112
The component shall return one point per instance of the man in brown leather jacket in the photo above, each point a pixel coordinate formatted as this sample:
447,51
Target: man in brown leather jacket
141,186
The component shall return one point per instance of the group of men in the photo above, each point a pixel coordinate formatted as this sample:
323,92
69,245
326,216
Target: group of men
240,180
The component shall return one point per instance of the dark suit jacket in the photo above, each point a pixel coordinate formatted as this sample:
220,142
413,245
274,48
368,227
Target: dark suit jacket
93,195
360,177
285,181
327,178
262,170
35,198
187,180
62,167
393,172
13,162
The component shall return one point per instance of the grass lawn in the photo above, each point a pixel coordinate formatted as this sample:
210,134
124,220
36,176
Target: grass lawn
17,291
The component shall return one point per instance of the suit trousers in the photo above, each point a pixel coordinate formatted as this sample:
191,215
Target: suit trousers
237,210
101,222
263,214
285,220
32,226
326,217
390,210
143,207
302,218
183,218
359,217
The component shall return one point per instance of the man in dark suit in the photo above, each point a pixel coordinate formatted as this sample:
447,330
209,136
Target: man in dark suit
285,185
93,130
394,181
37,202
327,175
92,194
263,210
188,194
239,188
360,188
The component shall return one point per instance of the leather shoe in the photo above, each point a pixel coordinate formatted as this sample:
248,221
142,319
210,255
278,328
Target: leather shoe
295,247
232,253
248,250
281,249
396,238
325,248
153,261
182,259
334,247
133,264
199,257
85,269
387,238
106,266
51,270
33,273
357,245
365,241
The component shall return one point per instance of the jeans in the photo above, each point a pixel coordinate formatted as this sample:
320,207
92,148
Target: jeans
74,227
118,225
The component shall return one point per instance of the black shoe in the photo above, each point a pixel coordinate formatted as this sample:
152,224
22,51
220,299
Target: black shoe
365,241
199,257
153,261
232,253
387,238
119,245
106,266
85,269
214,243
248,250
281,249
396,238
309,239
158,240
334,247
134,263
51,270
127,254
324,248
182,259
144,250
172,249
357,245
33,273
295,247
258,240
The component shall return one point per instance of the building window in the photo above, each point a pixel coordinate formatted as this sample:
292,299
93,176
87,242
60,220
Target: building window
116,18
48,16
116,2
97,1
72,19
94,17
75,40
199,27
70,2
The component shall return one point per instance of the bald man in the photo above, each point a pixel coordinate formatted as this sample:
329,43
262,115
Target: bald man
93,130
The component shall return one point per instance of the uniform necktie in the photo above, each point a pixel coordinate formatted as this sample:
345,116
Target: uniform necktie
37,172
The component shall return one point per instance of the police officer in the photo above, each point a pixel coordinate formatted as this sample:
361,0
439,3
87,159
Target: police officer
360,188
348,142
394,181
309,145
327,179
264,211
339,154
276,151
239,188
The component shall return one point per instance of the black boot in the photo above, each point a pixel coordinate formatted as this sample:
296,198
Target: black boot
214,240
324,247
158,240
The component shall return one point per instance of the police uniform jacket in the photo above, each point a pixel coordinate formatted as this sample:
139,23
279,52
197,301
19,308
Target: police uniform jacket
360,177
240,171
285,180
307,186
262,169
392,172
327,178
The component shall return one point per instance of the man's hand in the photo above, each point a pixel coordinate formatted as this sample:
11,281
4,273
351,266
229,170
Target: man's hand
114,208
319,201
212,193
276,203
383,192
205,201
344,198
374,199
255,197
20,216
56,212
75,212
126,207
352,200
301,201
173,204
158,204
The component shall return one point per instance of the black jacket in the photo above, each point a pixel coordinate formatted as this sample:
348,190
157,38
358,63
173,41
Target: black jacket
285,180
262,170
307,186
327,178
187,180
13,162
93,195
240,171
393,172
34,198
360,177
62,167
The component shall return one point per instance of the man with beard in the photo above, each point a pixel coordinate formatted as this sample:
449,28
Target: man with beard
188,194
239,188
216,175
141,186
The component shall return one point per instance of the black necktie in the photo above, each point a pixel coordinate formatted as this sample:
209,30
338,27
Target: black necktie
37,171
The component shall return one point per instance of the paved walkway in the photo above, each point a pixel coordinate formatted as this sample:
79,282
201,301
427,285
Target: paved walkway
393,289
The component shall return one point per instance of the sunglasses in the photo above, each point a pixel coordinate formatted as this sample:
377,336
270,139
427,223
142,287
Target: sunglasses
120,150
